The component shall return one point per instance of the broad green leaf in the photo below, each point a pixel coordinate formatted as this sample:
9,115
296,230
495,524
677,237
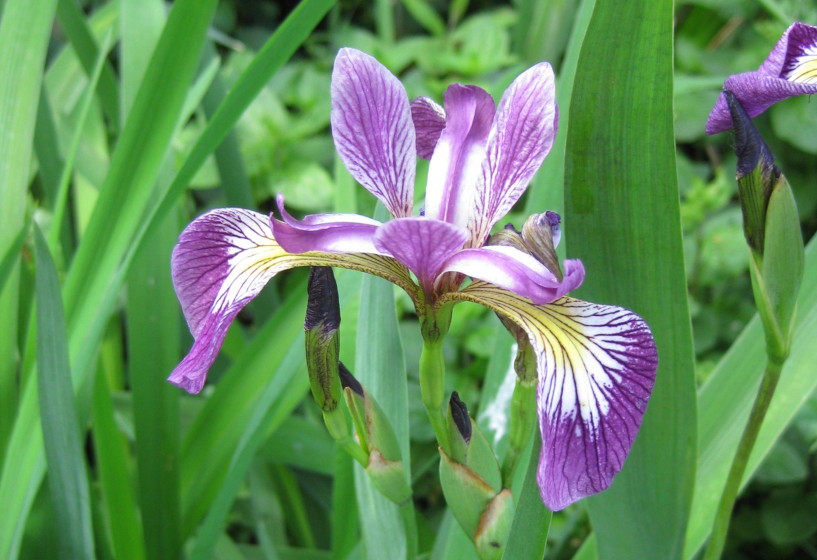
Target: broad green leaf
24,32
623,221
725,400
61,431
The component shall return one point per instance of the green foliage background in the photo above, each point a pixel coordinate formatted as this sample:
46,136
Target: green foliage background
121,121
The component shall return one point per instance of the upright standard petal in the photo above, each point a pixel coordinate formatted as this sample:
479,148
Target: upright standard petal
596,367
516,271
422,244
429,122
372,129
455,166
789,70
521,136
222,261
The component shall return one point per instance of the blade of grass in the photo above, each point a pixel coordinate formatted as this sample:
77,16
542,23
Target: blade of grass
724,403
9,261
111,456
24,31
46,146
60,424
73,23
61,196
623,221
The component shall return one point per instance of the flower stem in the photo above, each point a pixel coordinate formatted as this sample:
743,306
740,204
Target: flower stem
432,372
409,519
717,540
522,423
432,387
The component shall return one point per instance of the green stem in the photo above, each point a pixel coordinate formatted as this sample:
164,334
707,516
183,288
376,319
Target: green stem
432,372
714,548
432,387
522,422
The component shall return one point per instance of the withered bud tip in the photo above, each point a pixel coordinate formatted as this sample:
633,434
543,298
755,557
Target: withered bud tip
348,380
459,413
322,306
750,148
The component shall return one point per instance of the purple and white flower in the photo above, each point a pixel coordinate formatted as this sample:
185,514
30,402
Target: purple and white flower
789,70
596,363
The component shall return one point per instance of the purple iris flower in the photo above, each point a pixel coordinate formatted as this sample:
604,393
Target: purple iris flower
789,70
596,363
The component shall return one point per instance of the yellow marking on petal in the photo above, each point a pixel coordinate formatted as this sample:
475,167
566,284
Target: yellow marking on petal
804,68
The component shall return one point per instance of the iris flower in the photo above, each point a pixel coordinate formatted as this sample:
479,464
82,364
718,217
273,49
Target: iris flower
596,363
789,70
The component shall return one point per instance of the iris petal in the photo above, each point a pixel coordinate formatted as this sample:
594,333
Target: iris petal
458,155
372,129
789,70
521,136
422,244
518,272
596,366
223,260
429,122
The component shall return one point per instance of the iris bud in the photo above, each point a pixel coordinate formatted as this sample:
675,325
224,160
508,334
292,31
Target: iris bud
771,225
322,338
541,234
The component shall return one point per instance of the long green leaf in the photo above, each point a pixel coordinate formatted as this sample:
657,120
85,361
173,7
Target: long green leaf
284,391
111,454
623,221
24,33
380,367
71,18
63,448
93,282
726,399
531,520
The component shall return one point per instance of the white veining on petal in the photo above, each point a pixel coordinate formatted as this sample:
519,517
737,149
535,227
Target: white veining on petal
496,413
803,68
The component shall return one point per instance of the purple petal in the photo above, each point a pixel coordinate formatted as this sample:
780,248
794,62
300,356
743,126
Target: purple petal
222,261
596,367
429,122
421,244
521,136
595,379
789,70
455,165
517,272
331,233
372,129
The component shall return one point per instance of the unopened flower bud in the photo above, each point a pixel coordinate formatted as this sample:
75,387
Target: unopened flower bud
322,338
771,225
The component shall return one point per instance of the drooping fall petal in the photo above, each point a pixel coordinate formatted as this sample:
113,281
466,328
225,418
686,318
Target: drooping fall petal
522,134
789,70
596,366
372,129
222,261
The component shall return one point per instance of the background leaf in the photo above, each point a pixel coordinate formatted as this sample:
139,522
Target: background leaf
623,221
